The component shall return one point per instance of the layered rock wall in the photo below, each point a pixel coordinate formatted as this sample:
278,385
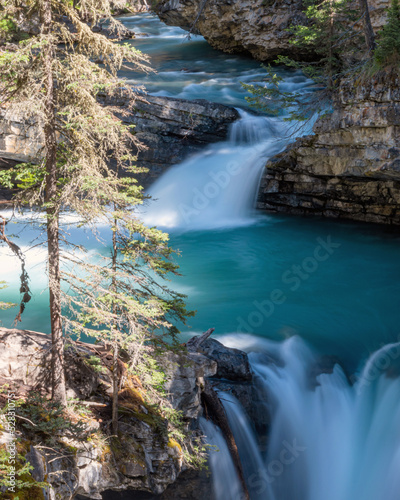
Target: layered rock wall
169,129
350,168
254,27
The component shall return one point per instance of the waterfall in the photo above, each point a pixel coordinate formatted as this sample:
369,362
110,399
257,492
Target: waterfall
221,464
329,440
217,187
246,441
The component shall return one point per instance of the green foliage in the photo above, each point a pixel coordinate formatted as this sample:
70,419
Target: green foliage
388,51
94,362
22,486
120,298
48,419
5,305
272,100
8,27
325,35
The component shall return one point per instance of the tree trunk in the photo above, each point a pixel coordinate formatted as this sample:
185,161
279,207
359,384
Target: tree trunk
115,343
115,389
368,30
58,390
330,55
215,411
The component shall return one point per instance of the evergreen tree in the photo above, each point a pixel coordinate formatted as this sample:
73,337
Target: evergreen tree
52,78
330,31
388,50
123,300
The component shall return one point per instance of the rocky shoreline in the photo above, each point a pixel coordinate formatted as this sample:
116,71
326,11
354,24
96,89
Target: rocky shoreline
142,459
169,129
258,28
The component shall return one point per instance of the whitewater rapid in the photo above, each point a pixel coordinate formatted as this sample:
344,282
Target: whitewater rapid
330,438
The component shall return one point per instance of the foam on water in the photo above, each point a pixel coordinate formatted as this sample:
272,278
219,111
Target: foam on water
217,187
328,439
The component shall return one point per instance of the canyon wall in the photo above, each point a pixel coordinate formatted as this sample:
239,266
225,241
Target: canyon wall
254,27
169,130
350,167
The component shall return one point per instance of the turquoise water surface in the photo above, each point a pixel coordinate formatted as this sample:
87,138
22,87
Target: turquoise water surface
265,276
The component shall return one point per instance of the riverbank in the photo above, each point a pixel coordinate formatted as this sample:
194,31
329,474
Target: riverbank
348,168
74,451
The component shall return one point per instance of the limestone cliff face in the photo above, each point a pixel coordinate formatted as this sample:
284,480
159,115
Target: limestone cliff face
255,27
169,129
350,168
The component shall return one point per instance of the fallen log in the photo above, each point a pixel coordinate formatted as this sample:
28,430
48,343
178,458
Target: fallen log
194,343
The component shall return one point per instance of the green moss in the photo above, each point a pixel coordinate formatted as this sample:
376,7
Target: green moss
126,449
30,493
174,444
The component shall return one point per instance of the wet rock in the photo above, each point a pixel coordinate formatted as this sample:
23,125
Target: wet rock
232,364
170,129
185,374
190,485
173,129
350,168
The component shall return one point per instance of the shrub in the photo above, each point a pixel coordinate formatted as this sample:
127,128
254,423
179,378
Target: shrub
388,51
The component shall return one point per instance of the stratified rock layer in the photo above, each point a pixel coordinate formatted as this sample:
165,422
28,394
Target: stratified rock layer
255,27
169,129
350,168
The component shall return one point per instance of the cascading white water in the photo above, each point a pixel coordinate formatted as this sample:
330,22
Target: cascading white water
329,440
217,187
221,463
246,441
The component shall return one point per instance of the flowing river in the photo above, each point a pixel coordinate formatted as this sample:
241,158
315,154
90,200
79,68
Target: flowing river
286,289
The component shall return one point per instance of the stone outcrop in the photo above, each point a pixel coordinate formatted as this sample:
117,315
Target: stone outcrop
142,459
233,374
254,27
232,364
170,129
119,7
350,168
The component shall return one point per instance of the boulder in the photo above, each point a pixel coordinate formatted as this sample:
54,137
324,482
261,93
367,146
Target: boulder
232,364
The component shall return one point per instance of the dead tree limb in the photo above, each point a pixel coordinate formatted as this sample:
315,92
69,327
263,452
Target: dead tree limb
201,8
194,343
24,278
215,411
